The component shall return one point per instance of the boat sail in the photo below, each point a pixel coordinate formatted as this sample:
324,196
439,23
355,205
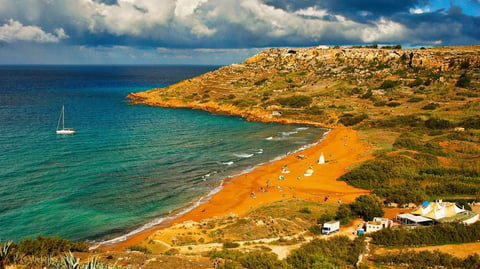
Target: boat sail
62,119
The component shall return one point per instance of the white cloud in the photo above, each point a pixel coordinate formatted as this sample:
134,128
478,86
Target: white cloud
384,30
419,10
15,31
197,23
312,12
187,7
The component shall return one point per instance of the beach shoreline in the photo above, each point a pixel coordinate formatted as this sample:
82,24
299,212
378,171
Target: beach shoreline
281,179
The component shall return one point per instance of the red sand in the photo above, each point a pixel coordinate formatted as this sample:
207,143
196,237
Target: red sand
341,149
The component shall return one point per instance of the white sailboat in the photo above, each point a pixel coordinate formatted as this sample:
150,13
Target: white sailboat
62,119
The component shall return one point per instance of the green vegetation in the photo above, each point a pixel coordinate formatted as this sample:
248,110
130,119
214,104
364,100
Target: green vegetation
435,123
348,119
415,99
433,235
41,251
427,259
336,252
47,252
367,207
417,82
389,84
464,81
402,194
472,122
139,249
295,101
45,246
252,260
431,106
229,244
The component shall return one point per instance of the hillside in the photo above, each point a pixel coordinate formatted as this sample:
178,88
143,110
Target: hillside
322,85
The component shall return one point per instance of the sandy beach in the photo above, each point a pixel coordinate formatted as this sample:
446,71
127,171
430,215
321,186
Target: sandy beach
282,179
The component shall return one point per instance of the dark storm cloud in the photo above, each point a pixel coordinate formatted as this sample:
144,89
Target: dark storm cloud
350,7
451,27
236,24
107,2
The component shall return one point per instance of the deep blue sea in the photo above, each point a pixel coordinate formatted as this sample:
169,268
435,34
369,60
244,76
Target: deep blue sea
127,166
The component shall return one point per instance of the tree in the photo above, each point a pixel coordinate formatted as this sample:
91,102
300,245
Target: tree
344,214
367,207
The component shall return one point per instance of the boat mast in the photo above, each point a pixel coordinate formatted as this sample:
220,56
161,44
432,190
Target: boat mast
61,118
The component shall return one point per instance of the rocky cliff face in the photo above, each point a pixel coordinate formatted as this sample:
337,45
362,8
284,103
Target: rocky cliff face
255,89
428,58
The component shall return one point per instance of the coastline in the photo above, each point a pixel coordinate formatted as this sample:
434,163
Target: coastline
238,195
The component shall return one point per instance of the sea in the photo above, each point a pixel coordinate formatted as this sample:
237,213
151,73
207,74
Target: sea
127,167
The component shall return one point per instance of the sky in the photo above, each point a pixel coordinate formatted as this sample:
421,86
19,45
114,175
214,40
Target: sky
219,32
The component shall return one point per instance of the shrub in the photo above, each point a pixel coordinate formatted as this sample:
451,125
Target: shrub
417,82
463,81
260,82
45,246
305,210
315,229
415,99
351,119
393,104
389,84
314,110
434,235
261,260
465,64
408,141
337,252
295,101
139,249
431,106
229,244
427,259
407,120
467,94
434,123
472,122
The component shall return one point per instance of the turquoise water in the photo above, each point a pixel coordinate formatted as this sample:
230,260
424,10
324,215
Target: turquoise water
126,166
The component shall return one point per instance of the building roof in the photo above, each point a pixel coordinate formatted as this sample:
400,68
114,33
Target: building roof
414,218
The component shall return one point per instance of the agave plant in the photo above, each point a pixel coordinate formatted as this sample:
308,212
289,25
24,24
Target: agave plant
4,253
70,262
